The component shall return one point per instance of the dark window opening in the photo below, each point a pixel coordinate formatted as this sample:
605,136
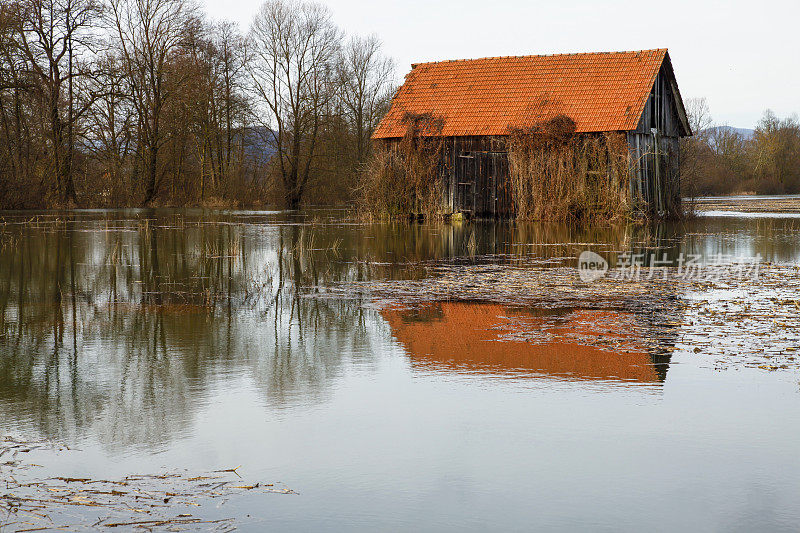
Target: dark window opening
653,108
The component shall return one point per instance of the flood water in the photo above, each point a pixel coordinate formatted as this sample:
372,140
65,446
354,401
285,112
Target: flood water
150,340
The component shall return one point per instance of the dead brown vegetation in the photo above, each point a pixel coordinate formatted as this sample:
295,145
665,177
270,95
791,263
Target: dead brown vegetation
403,179
557,174
169,501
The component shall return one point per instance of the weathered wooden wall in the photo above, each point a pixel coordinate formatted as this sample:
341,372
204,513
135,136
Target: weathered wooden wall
475,176
655,147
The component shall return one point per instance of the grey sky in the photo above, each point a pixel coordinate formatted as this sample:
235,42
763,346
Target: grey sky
743,55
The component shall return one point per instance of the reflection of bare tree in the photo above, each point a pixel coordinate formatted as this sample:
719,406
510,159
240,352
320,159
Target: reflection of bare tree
123,327
309,337
127,330
40,375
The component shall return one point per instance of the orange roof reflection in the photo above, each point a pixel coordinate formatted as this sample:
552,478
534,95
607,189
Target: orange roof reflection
477,337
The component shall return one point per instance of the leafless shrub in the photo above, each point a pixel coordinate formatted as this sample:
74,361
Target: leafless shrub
556,174
404,179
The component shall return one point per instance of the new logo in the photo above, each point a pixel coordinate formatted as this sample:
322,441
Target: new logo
591,266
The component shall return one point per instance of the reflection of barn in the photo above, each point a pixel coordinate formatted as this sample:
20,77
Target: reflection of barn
480,101
466,337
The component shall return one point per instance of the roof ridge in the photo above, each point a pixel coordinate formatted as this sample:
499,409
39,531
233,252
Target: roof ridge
414,65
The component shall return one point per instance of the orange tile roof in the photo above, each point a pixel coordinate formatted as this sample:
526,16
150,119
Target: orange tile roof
599,91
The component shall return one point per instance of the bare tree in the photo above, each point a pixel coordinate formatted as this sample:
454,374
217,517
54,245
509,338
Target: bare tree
148,34
294,47
54,33
692,148
233,104
161,105
8,31
111,121
776,153
699,115
11,90
214,101
366,78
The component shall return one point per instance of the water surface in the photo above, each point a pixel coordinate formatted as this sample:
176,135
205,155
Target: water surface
146,340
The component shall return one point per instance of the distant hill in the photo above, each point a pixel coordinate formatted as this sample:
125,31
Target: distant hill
257,143
747,134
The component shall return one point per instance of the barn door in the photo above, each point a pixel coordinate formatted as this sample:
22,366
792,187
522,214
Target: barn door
479,183
464,200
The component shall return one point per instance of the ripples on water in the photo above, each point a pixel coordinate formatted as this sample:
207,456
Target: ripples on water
150,339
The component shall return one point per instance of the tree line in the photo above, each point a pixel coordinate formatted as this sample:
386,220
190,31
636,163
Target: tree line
719,160
148,102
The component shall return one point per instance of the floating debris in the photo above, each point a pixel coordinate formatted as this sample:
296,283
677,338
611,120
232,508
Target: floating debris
163,501
749,204
753,323
728,322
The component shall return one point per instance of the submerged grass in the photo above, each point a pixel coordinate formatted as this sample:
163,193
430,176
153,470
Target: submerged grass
783,205
546,285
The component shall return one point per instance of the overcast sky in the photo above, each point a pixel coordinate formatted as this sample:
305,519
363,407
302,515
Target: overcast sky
742,55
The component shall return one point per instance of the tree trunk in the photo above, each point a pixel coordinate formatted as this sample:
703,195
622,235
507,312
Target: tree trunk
152,175
293,200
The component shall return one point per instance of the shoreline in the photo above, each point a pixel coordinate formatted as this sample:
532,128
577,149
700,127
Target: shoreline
783,204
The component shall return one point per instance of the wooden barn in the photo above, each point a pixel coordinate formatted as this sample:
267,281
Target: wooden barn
481,101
